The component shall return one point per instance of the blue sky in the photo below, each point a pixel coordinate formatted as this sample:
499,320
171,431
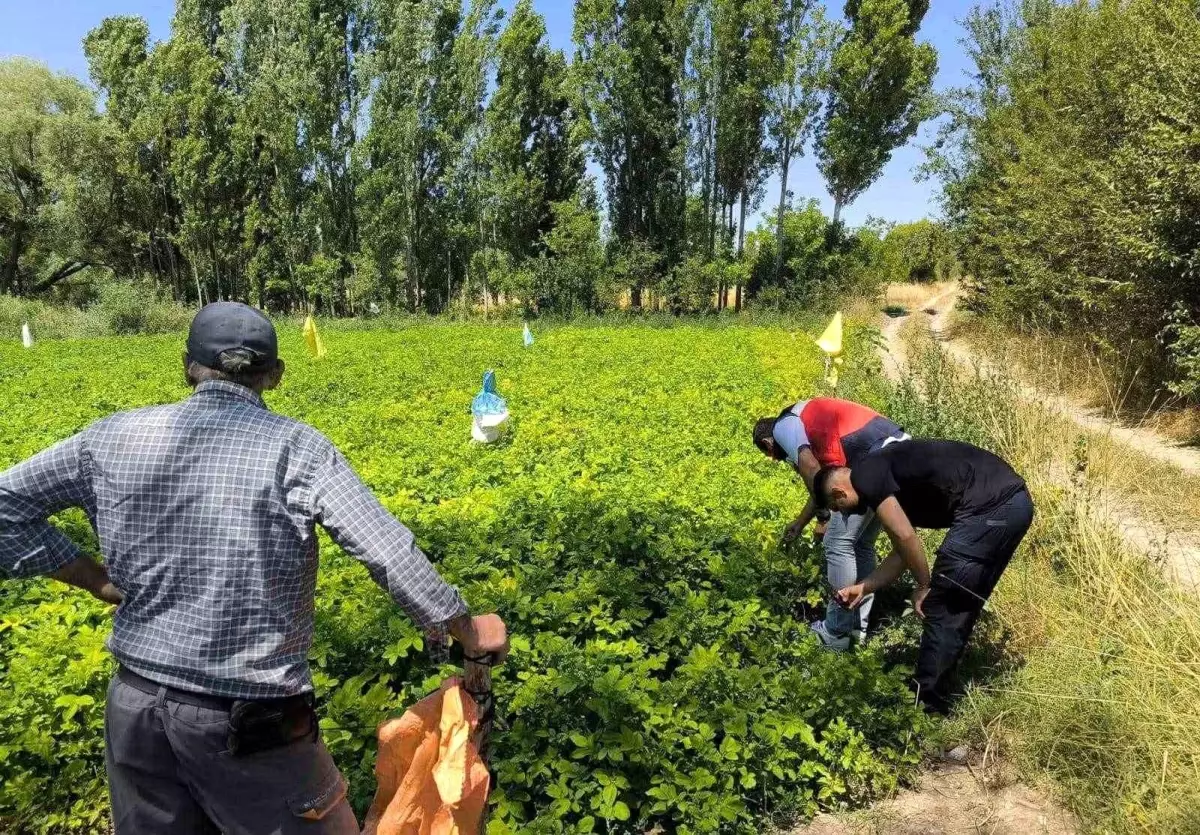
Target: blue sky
52,31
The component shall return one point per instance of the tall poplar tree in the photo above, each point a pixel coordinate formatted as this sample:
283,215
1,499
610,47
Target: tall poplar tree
746,41
629,69
532,159
880,91
805,38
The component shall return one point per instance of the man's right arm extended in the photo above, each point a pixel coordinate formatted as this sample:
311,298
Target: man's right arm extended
807,467
908,553
356,521
30,493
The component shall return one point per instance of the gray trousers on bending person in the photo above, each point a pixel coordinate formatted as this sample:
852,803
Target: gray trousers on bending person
170,773
849,558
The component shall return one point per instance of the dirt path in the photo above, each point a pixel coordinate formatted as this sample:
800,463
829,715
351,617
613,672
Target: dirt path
1145,441
1178,551
895,356
950,799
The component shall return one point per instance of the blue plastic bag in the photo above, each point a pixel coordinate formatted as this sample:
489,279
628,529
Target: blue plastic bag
487,402
489,411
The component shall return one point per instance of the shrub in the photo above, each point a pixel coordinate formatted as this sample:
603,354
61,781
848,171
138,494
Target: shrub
47,321
1070,170
1182,335
118,309
822,263
125,309
918,252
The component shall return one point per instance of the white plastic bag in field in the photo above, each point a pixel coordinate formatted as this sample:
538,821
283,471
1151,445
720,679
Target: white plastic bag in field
527,336
26,336
489,412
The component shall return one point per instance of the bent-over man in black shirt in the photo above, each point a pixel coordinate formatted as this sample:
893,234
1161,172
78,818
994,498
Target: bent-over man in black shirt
936,484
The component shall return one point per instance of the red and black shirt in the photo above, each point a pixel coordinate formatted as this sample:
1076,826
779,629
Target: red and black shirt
839,432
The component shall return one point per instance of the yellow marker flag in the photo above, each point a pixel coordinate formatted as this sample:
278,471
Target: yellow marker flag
831,340
831,343
315,346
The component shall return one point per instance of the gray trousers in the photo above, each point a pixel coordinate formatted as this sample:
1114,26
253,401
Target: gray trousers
849,558
170,773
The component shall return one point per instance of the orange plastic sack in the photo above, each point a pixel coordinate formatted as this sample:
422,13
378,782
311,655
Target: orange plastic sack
431,779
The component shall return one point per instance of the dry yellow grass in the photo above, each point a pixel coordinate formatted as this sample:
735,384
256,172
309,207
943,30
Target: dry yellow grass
1111,384
914,297
1106,700
1160,494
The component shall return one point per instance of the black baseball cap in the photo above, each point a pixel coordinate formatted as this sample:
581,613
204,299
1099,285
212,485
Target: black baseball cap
232,326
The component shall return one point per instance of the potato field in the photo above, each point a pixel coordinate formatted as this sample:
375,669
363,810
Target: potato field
662,676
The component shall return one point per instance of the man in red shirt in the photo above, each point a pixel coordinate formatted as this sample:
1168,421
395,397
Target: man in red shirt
827,432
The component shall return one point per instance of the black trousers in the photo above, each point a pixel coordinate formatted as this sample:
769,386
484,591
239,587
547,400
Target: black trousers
969,563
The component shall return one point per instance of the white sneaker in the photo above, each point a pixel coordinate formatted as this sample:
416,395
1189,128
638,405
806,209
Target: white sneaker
830,641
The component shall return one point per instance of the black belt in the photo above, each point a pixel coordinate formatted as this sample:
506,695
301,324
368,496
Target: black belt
223,703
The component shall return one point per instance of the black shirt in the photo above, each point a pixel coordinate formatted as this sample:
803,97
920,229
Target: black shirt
935,482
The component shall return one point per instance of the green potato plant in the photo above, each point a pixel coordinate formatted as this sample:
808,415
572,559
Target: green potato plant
662,673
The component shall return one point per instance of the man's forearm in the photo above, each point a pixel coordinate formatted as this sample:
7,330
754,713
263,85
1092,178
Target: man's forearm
85,573
885,574
913,553
807,466
807,514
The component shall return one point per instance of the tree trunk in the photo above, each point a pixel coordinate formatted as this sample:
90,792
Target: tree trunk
707,185
837,210
10,275
785,163
721,281
199,288
737,299
62,273
712,178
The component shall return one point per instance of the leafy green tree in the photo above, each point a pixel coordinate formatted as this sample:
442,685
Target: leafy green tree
57,208
806,38
919,251
532,155
746,34
879,92
1070,177
198,113
628,74
149,214
572,265
391,187
419,157
295,67
699,92
729,66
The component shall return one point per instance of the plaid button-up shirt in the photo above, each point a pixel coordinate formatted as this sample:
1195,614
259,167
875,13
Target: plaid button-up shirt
206,513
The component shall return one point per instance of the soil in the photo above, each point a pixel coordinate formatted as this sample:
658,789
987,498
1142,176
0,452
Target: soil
953,798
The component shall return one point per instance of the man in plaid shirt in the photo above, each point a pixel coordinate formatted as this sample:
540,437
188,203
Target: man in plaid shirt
206,513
